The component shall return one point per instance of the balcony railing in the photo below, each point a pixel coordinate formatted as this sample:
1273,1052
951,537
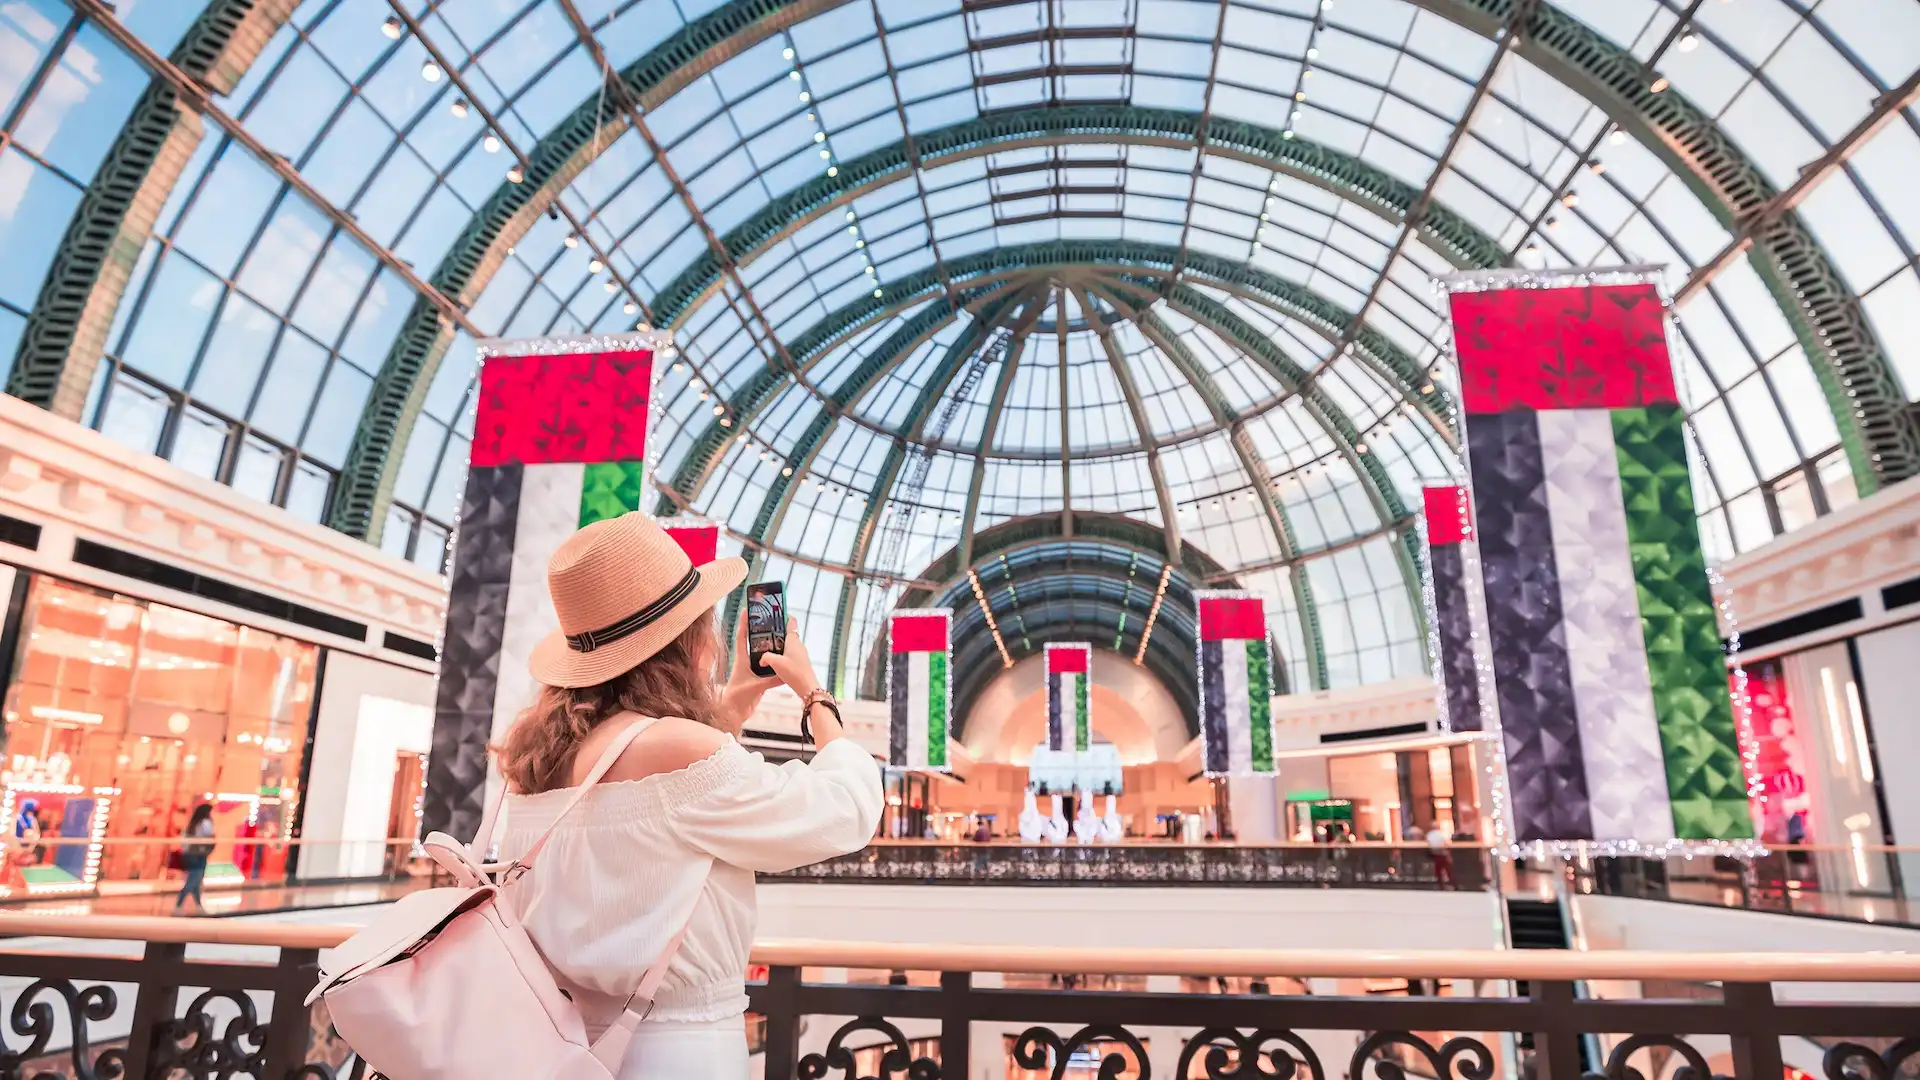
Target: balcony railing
101,998
1307,865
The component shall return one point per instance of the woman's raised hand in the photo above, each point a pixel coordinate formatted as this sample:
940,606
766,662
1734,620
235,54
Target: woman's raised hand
794,667
744,689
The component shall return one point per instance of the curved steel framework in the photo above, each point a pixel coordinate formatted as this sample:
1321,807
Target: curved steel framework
100,295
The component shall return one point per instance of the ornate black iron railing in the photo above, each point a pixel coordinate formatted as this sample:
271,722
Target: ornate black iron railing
159,1010
1310,866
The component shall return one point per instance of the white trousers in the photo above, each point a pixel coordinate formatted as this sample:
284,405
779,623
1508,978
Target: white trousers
714,1050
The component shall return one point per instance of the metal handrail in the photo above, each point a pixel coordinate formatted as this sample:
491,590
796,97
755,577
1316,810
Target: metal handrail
1545,965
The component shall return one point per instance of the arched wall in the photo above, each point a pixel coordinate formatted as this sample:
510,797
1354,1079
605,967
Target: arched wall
1131,709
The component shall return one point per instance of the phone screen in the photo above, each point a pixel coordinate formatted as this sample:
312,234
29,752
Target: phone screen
766,623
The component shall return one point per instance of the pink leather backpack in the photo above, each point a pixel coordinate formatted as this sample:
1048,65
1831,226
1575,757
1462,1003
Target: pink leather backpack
446,984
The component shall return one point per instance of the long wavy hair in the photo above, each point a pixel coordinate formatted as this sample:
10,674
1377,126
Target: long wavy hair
537,754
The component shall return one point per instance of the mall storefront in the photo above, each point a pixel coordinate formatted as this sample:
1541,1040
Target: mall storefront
124,714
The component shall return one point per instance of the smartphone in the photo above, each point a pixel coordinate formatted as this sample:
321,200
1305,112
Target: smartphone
766,624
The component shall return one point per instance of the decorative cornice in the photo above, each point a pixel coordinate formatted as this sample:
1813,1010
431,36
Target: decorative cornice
1853,552
77,483
1300,719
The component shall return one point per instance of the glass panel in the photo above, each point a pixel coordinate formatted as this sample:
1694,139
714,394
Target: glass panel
308,490
256,470
200,443
135,414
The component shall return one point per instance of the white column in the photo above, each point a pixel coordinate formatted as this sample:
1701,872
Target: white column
1256,808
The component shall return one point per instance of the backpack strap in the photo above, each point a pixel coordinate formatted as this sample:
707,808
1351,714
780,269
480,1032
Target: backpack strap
617,746
611,1047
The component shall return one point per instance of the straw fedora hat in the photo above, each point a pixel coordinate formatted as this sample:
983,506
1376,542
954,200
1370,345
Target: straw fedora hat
623,590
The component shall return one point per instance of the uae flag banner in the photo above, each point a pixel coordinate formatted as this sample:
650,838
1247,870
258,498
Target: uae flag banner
559,441
919,693
1069,720
1607,675
1236,684
1453,625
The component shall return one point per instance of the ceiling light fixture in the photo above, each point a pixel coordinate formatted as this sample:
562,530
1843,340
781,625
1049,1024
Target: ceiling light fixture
1689,41
594,266
833,170
786,53
572,240
805,97
1570,200
430,71
1313,54
491,144
1596,166
458,108
794,74
1659,85
819,136
1616,137
630,307
514,175
392,27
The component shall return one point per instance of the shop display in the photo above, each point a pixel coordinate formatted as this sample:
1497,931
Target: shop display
559,442
1236,687
1069,670
1606,671
58,827
919,692
124,716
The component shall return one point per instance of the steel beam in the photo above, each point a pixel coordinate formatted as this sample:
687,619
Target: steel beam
1169,511
1812,175
995,406
1137,309
1504,38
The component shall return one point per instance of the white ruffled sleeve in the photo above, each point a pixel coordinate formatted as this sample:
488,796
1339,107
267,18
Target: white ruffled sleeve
769,818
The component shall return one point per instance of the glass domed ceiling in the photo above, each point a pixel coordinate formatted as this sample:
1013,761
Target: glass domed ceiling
892,239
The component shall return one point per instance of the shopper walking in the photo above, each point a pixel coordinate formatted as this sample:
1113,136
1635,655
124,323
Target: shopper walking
1437,846
195,846
663,851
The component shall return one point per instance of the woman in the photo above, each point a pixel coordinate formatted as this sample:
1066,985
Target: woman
194,849
671,838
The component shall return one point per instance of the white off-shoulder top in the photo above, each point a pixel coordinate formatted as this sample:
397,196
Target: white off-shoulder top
622,872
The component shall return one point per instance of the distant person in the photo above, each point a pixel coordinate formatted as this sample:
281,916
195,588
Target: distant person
195,845
1796,838
983,833
1437,841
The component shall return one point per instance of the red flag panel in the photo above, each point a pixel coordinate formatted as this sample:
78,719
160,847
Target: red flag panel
919,633
1449,515
700,542
1579,347
1232,618
563,407
1067,661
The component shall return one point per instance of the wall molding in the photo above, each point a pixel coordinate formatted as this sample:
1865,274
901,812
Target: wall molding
76,483
1851,553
